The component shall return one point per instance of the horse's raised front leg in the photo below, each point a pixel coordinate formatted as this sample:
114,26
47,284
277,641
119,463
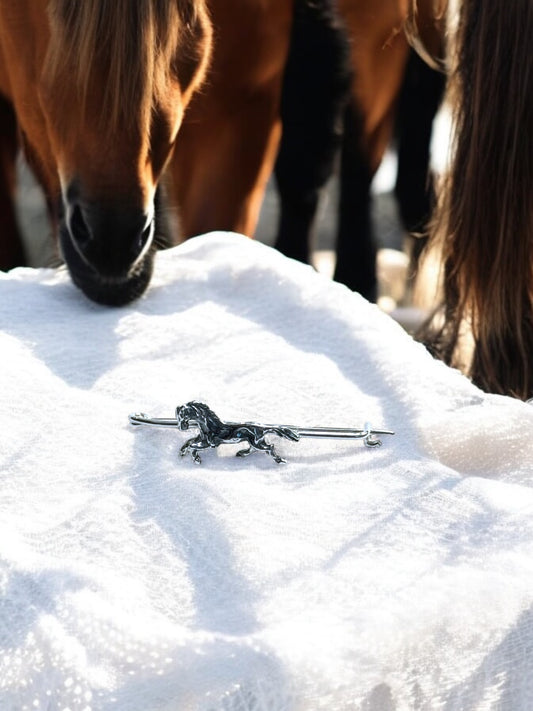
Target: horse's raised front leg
192,446
184,449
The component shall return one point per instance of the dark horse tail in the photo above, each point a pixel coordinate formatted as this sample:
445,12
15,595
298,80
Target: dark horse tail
286,432
485,217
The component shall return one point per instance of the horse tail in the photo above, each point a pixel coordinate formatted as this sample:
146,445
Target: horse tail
286,432
485,218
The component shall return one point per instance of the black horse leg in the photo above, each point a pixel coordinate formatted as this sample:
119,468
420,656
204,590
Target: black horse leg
356,249
11,249
275,456
192,446
194,450
419,101
315,90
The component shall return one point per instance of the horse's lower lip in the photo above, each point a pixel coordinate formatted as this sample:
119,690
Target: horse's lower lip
115,292
108,289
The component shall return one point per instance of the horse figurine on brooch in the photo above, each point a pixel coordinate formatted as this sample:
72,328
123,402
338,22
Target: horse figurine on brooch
214,432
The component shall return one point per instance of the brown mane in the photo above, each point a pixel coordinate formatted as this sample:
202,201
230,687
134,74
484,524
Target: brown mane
485,217
424,27
132,43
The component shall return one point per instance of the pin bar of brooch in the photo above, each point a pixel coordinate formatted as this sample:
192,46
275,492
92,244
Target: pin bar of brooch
326,432
142,419
340,433
213,431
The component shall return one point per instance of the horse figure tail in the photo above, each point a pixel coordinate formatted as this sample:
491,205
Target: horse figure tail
485,218
286,432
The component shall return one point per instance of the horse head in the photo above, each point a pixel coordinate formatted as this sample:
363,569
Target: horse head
198,414
115,84
184,414
192,412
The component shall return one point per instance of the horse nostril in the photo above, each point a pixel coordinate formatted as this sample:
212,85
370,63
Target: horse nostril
79,228
108,237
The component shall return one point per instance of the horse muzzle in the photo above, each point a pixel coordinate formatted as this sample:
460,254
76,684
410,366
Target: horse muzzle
108,250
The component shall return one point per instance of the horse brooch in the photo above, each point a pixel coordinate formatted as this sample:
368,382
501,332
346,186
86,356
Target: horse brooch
214,432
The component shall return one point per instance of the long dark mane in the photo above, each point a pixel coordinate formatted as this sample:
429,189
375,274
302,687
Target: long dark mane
134,41
485,216
206,413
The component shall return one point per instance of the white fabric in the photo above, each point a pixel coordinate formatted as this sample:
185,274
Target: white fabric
346,579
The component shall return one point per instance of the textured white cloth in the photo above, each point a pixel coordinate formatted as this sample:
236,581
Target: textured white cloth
132,580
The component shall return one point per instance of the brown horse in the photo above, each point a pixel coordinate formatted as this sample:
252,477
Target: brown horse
96,91
99,89
485,217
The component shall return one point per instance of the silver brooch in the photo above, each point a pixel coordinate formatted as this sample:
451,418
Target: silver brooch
214,432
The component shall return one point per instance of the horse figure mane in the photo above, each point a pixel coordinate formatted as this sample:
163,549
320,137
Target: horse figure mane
133,44
213,422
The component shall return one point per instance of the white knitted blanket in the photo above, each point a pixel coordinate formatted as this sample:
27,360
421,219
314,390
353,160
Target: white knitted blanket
348,579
